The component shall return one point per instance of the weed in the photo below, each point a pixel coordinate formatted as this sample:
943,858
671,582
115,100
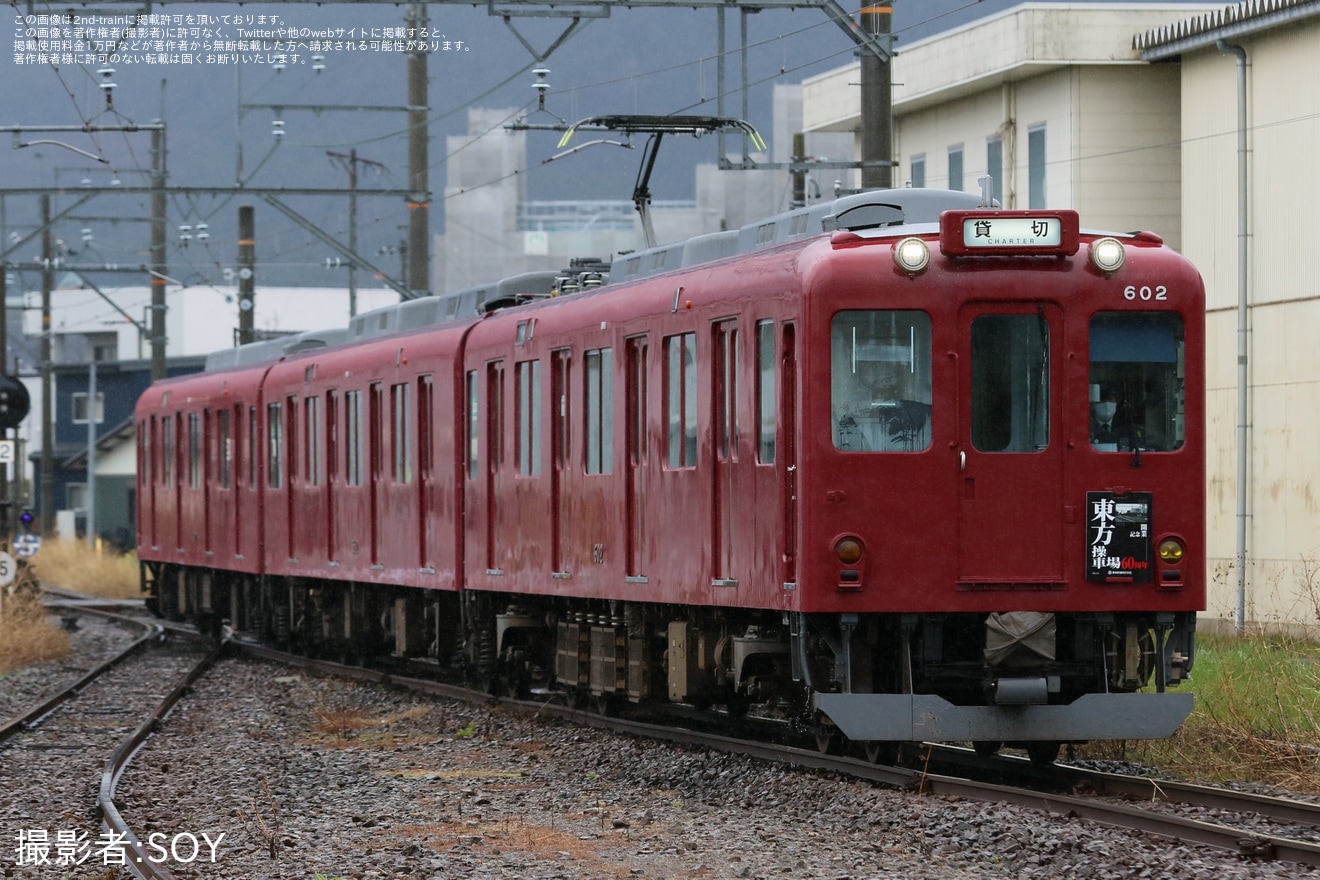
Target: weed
467,731
27,634
75,566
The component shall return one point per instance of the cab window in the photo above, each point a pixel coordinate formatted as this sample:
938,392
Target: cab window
880,381
1136,398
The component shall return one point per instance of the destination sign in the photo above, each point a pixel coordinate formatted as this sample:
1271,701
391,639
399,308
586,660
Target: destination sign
1012,231
1002,233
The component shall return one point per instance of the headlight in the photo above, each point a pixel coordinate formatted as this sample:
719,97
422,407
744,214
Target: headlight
848,550
1107,254
1171,550
911,255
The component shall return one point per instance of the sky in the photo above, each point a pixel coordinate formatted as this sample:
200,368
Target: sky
220,116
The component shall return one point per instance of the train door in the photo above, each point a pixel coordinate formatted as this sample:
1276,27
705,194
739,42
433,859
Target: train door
787,426
638,458
291,488
560,419
375,460
494,457
1010,448
425,469
724,386
331,472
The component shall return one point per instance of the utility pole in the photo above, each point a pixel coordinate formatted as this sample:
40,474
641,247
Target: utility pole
878,99
158,264
247,281
350,161
419,198
47,427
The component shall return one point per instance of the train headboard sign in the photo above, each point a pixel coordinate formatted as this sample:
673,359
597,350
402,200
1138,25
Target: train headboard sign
1018,233
1118,537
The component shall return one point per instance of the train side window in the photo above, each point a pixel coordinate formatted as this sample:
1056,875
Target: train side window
528,430
1010,383
312,432
425,424
291,439
331,437
880,381
599,397
252,446
766,416
353,438
725,356
167,451
274,445
194,450
494,416
560,407
225,437
400,400
681,399
1137,395
473,423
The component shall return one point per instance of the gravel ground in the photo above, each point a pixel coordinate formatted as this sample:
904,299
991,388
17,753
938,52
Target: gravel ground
93,640
310,777
50,774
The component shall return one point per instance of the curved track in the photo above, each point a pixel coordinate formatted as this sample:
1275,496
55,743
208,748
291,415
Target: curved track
1248,843
55,746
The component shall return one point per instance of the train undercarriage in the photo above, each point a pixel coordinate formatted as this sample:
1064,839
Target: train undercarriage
1025,679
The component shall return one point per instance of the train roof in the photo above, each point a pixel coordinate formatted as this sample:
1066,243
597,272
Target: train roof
867,210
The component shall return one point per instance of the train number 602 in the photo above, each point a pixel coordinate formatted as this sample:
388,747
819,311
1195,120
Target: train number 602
1145,293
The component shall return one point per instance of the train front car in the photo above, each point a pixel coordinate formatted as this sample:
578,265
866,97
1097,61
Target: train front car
1002,527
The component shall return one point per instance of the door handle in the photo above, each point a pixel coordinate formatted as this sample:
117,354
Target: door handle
962,460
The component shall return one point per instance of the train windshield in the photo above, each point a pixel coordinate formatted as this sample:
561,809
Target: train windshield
1136,375
880,381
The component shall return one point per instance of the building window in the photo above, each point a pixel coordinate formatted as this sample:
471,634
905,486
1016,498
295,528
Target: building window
1036,166
80,408
599,372
917,173
956,167
529,418
681,399
994,166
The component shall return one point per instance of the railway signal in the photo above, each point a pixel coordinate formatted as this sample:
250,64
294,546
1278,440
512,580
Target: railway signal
14,402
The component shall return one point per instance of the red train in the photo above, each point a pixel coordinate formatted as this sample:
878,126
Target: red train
894,467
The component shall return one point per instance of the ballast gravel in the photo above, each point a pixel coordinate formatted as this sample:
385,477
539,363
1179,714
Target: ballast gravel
326,779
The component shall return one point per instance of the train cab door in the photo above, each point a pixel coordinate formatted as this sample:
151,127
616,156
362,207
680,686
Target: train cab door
1010,447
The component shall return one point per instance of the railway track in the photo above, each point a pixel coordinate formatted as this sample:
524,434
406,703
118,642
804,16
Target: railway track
57,751
1119,801
64,755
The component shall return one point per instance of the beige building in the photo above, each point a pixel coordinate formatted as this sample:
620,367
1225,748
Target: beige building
1129,114
1273,517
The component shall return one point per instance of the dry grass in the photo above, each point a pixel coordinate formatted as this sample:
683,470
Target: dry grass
75,566
27,634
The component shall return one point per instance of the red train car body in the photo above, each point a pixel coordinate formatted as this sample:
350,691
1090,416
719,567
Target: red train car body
894,467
